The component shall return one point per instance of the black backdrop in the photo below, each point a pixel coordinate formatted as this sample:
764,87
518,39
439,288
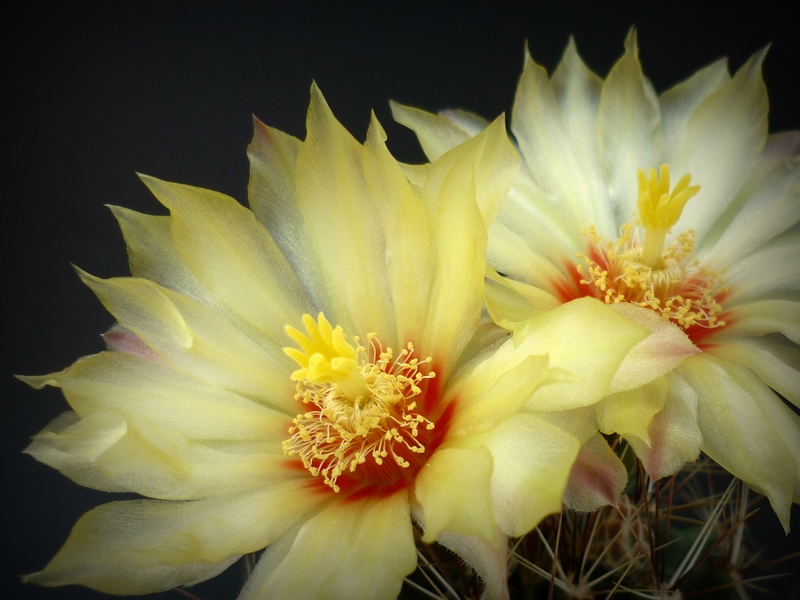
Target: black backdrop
97,92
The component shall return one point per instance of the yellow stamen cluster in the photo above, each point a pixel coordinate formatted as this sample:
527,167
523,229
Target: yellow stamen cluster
361,399
667,280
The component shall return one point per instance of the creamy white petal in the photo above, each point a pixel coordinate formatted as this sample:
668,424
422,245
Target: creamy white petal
773,358
679,102
762,317
629,130
629,413
747,429
355,549
721,143
769,270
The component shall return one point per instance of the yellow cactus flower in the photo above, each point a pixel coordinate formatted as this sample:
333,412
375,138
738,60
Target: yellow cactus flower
680,211
311,376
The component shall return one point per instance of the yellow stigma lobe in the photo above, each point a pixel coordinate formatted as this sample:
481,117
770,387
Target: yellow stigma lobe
361,404
659,210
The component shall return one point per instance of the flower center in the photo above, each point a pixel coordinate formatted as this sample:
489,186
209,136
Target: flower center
667,279
363,420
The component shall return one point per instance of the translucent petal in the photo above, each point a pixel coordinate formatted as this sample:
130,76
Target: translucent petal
490,561
436,134
597,478
629,413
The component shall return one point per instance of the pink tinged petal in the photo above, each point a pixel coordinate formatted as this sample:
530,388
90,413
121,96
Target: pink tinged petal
437,134
629,413
598,477
195,339
489,560
747,429
351,549
722,141
145,546
170,399
532,464
119,339
223,245
585,338
773,358
763,317
629,128
659,353
454,489
674,436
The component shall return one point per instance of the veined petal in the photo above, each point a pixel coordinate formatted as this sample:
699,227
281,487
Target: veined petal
407,233
358,549
454,491
135,385
746,429
766,271
679,102
152,255
765,316
597,478
111,451
223,244
194,338
629,128
344,229
722,140
584,338
774,359
144,546
539,127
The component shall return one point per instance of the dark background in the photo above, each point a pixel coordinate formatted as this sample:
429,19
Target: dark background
97,92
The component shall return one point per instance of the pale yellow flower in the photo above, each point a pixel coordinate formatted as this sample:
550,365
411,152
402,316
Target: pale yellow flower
681,211
312,375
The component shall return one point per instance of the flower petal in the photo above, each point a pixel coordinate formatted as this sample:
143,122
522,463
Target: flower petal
629,413
532,464
765,316
144,546
597,478
747,429
490,561
436,134
453,489
673,433
352,549
657,354
629,129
